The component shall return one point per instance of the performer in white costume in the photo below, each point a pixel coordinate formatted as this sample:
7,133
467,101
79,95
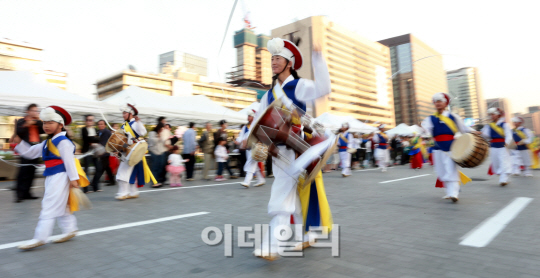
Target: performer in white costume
62,172
127,175
500,135
345,141
290,89
251,167
521,156
443,125
382,155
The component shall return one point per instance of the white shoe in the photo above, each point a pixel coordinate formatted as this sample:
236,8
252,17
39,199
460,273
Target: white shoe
246,185
454,199
31,244
270,257
121,198
65,237
446,197
528,175
383,170
260,184
132,196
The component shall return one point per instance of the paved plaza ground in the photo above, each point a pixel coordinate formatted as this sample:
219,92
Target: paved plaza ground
392,224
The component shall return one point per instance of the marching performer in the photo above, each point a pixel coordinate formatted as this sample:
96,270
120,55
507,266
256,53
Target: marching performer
522,155
286,201
501,135
443,125
416,153
344,142
382,156
140,173
62,172
251,166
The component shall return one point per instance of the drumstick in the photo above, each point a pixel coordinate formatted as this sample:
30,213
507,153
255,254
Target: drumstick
105,119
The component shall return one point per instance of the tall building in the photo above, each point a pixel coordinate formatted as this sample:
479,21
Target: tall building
533,109
465,88
502,103
15,55
359,69
414,83
177,61
235,98
253,61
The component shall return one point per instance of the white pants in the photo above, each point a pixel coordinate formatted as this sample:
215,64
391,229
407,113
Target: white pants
127,189
447,172
345,158
66,222
382,157
500,163
519,158
251,168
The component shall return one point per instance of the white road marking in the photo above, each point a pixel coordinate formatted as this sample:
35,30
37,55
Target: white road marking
187,187
486,231
116,227
405,178
6,189
367,170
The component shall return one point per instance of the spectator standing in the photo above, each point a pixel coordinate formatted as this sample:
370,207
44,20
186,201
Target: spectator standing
190,147
89,137
207,146
103,161
28,129
158,153
369,151
222,134
222,157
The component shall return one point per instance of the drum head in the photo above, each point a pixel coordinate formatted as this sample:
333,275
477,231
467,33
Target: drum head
136,152
252,139
310,177
462,147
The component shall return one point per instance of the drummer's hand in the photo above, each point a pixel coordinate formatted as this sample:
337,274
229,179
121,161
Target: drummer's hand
16,139
477,132
74,184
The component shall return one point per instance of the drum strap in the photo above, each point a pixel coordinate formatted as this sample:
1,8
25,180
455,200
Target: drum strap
497,129
128,129
451,124
520,133
343,138
83,180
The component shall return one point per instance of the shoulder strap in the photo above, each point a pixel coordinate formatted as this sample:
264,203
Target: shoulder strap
449,122
497,129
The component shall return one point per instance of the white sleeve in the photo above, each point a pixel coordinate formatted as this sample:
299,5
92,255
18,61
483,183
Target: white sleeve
427,125
461,125
530,136
375,138
308,90
139,128
485,131
66,149
262,108
240,137
508,138
30,152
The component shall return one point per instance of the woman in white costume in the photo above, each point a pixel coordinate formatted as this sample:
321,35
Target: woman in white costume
290,89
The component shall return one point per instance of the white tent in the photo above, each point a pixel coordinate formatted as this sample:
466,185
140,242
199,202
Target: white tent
334,122
417,129
401,129
178,110
254,106
18,89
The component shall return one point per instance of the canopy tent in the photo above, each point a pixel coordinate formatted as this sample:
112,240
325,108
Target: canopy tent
254,106
177,110
18,89
334,122
401,129
417,130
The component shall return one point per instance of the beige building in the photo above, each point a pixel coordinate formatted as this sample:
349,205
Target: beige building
503,104
414,83
465,88
15,55
183,62
182,84
359,69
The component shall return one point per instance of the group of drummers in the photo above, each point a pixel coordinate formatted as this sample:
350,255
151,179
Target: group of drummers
299,147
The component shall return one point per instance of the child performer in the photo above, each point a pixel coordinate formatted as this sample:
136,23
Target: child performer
344,142
416,155
250,167
176,167
62,172
221,158
522,155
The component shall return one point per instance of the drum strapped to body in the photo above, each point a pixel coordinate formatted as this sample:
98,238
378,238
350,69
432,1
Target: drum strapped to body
469,150
282,126
118,143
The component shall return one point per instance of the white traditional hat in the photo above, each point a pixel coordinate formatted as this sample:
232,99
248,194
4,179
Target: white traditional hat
495,111
382,126
129,108
518,120
56,114
442,97
251,113
287,50
345,125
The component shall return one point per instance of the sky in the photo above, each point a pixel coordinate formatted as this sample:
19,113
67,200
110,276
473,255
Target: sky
93,39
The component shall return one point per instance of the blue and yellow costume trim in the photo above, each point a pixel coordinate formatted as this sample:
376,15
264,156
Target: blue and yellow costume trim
141,172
